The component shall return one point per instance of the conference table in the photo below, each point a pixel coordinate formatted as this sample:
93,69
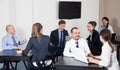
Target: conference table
14,55
69,63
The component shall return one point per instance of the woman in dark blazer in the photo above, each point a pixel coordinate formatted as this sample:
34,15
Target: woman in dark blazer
38,43
93,39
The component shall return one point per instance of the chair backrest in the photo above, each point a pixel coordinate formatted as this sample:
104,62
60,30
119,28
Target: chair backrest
43,65
113,36
50,56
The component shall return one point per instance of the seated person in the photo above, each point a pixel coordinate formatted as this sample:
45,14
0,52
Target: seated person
38,43
10,40
75,44
93,39
108,56
105,25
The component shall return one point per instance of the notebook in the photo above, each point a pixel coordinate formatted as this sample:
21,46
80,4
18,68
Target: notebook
81,56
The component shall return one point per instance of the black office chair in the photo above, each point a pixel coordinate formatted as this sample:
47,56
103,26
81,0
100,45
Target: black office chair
42,65
113,38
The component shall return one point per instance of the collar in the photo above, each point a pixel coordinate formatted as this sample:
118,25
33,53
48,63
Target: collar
60,30
75,40
9,35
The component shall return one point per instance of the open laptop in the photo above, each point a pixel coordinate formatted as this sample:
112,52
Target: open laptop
67,38
81,56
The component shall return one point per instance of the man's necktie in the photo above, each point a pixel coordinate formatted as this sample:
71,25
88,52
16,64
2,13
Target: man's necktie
15,44
61,37
77,46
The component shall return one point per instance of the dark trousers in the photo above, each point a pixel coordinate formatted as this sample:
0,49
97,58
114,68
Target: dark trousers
59,52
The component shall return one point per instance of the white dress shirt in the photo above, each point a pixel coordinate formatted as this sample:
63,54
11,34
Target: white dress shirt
108,59
101,27
71,49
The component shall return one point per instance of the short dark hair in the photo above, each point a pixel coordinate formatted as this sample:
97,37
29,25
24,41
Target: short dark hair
62,22
73,29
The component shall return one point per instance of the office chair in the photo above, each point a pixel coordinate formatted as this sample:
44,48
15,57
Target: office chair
113,37
47,63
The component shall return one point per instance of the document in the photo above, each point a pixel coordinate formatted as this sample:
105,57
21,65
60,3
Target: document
81,56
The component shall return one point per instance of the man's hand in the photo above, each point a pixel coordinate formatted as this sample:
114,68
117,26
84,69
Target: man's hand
90,55
25,40
90,59
51,45
21,48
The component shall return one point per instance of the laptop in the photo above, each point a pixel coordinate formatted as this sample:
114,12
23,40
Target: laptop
67,38
81,56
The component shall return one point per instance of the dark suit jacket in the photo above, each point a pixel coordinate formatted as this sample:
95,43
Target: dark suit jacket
39,49
54,37
95,44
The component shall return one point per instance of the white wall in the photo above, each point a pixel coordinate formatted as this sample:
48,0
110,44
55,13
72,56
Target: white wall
46,12
23,13
4,17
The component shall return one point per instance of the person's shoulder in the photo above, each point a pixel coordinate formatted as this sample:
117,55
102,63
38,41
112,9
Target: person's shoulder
55,30
5,36
95,32
70,41
106,46
109,26
45,36
82,39
32,38
65,30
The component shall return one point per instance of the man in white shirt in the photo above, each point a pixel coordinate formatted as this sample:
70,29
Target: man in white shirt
73,47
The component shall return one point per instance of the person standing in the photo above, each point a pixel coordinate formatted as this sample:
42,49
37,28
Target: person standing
57,38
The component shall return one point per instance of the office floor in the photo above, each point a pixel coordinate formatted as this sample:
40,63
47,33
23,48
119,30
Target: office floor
20,66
